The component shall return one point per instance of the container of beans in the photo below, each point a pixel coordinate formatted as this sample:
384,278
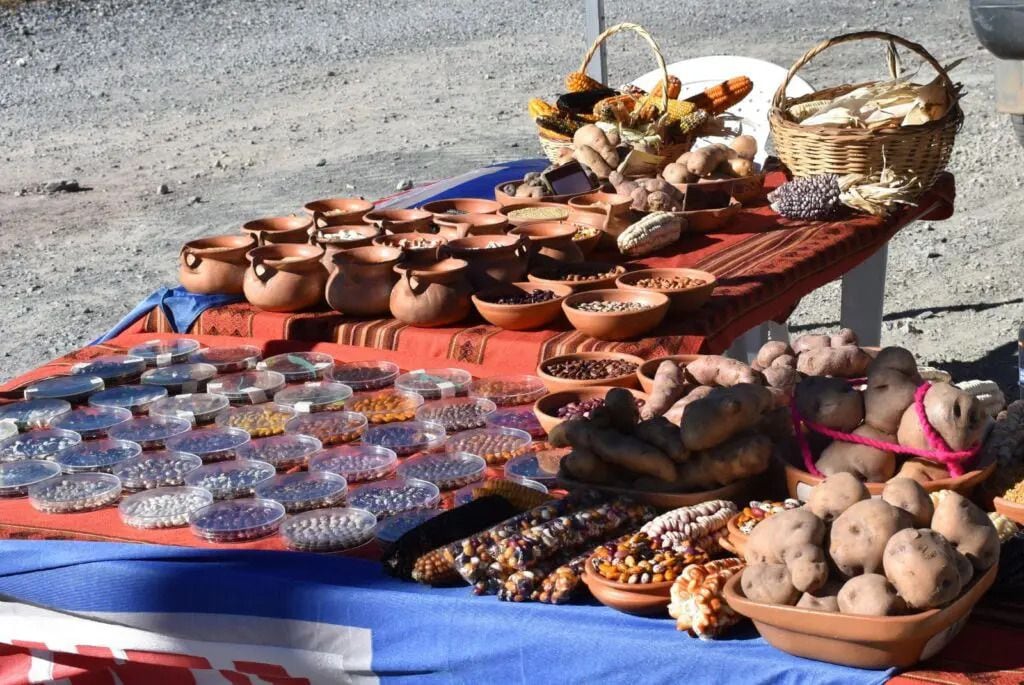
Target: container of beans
406,437
526,466
96,455
30,414
468,493
389,530
581,276
91,422
199,408
493,445
237,520
328,530
283,452
457,413
151,432
163,507
297,367
135,398
259,420
247,387
435,384
304,491
366,375
386,406
38,444
522,213
114,369
156,469
583,369
397,496
330,428
231,479
686,289
521,418
16,477
314,396
72,389
165,352
228,359
70,493
509,391
180,379
356,462
219,443
446,470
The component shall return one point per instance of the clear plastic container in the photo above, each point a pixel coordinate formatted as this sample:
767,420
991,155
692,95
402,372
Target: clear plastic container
446,470
237,520
210,444
97,456
509,391
73,389
92,422
8,429
304,491
435,384
314,396
198,409
366,375
283,452
495,445
385,406
30,414
247,387
228,359
163,507
16,477
297,367
135,398
39,444
180,378
526,467
392,528
165,352
466,494
151,432
330,428
114,369
521,418
356,462
457,413
406,437
231,479
328,530
156,470
396,496
258,420
70,493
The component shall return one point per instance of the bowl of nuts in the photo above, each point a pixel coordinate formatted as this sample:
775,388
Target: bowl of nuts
557,407
615,314
645,374
584,369
521,306
687,289
418,248
580,277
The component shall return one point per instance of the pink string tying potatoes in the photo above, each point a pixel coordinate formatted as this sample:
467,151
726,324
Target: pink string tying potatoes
940,452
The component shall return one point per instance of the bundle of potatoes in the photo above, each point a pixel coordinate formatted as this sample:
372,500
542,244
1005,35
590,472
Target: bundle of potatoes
848,553
714,162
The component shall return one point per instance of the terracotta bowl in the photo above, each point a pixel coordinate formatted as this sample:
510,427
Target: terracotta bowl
546,408
647,599
519,317
401,220
859,641
413,255
681,300
1014,512
332,211
735,540
645,374
506,210
587,245
706,220
469,205
616,325
277,230
542,276
470,225
739,492
746,189
556,384
504,198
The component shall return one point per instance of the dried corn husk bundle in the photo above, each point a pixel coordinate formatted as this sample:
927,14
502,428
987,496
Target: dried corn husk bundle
878,194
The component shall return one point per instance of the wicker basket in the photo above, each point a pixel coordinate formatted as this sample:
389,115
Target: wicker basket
920,151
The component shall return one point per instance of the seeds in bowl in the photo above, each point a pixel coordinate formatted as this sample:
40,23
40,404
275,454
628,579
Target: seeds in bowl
489,246
576,273
610,307
417,243
533,297
339,237
582,410
539,213
672,283
585,232
589,369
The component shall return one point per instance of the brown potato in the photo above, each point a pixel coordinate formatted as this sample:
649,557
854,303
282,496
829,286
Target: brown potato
921,565
676,413
668,388
811,342
745,146
968,529
586,467
807,566
908,495
888,394
677,173
859,535
955,414
724,413
592,159
770,538
836,494
741,168
848,361
831,402
863,461
701,162
632,454
661,433
897,359
870,595
713,369
741,456
845,336
622,409
769,584
772,350
824,599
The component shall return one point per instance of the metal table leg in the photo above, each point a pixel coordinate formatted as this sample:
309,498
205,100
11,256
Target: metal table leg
864,298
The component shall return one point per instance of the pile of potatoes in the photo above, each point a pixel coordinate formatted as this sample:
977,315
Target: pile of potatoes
848,553
714,162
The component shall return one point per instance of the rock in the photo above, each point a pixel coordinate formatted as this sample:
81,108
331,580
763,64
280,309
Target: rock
194,200
933,255
926,314
62,186
20,62
404,184
163,189
321,162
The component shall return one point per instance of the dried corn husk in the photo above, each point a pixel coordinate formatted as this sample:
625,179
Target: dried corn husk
878,194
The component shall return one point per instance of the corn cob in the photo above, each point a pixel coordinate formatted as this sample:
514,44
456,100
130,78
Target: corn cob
696,523
649,234
558,125
519,496
435,568
697,603
561,584
691,122
578,82
649,108
721,97
541,108
675,86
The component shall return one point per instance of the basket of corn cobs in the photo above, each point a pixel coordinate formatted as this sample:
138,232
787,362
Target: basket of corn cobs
893,133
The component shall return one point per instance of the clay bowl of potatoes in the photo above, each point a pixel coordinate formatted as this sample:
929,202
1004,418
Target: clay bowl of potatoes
615,314
556,407
585,369
639,599
645,374
686,289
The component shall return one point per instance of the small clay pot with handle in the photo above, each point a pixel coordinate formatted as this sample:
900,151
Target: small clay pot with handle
609,212
550,242
279,230
334,211
285,278
428,254
362,279
216,264
492,259
401,220
433,295
455,226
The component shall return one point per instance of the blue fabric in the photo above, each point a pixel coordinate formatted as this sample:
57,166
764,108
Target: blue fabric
181,308
419,634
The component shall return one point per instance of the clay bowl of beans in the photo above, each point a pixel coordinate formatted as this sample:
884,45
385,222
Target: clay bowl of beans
687,289
585,369
557,407
521,306
645,374
581,276
615,314
639,599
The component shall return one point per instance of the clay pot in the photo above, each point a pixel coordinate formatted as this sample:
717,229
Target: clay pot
621,325
400,220
544,276
519,317
434,295
414,255
334,211
469,205
558,384
321,238
278,230
546,408
457,226
550,242
489,266
362,279
639,599
216,264
684,300
609,212
285,278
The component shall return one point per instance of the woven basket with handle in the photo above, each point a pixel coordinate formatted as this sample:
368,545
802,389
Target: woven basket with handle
921,151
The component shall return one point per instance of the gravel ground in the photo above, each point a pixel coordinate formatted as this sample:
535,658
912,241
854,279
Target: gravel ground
248,109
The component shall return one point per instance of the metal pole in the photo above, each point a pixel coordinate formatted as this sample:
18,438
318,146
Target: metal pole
593,23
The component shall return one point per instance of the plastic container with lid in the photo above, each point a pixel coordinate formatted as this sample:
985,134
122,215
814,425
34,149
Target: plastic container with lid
385,406
8,429
526,467
228,359
165,352
366,375
446,470
247,387
163,507
406,437
73,389
114,369
466,494
96,455
135,398
180,378
237,520
435,384
151,432
156,469
389,530
328,530
457,413
283,452
38,444
258,420
92,422
314,396
509,391
210,444
330,428
495,445
198,408
521,418
304,491
231,479
356,462
396,496
69,493
16,477
30,414
299,366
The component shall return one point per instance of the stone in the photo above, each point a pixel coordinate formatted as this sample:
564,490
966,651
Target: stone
321,162
163,189
404,184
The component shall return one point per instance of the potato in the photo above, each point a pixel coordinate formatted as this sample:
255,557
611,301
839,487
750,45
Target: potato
860,533
955,414
713,369
683,158
834,495
741,456
921,565
831,402
612,137
740,168
592,159
529,191
677,173
584,466
896,359
668,388
807,566
922,471
661,433
592,136
968,529
965,568
702,162
622,409
745,146
772,350
631,454
845,336
908,495
724,413
678,410
811,342
782,377
776,424
770,538
768,584
571,433
824,599
888,394
848,361
870,595
863,461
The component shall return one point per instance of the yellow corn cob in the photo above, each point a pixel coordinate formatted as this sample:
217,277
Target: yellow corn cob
541,108
605,109
717,99
675,86
650,108
577,82
692,121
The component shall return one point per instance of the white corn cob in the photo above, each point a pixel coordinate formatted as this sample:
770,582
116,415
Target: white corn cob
650,234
